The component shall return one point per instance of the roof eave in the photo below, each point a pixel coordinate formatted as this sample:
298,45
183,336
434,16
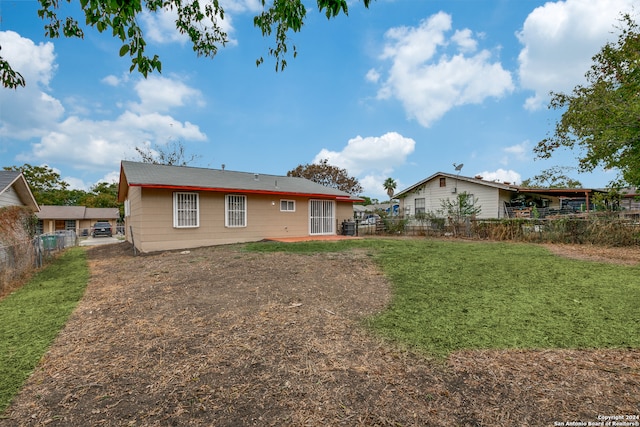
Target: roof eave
337,197
22,188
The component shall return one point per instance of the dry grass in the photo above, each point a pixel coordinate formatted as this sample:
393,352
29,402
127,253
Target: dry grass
223,337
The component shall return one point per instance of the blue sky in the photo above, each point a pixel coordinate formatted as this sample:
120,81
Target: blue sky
403,89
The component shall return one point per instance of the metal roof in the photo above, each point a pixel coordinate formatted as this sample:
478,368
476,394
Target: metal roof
192,178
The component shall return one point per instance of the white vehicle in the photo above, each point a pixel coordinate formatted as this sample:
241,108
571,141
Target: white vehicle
370,219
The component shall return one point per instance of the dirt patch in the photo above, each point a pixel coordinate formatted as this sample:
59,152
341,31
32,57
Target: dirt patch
627,255
218,336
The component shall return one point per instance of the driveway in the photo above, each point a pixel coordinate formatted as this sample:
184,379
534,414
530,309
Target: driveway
93,241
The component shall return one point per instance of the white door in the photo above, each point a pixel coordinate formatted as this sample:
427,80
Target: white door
322,217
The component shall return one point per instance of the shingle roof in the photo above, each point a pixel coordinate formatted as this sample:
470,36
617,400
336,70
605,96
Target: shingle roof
77,212
17,180
7,178
164,176
102,213
498,185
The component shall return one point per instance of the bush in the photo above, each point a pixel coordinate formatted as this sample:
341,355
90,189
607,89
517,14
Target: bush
595,229
16,250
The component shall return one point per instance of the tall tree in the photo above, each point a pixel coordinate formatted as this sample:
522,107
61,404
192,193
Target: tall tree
389,186
202,21
328,175
102,195
602,118
554,177
45,184
174,154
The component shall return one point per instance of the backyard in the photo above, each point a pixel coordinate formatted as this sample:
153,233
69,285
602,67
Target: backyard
404,332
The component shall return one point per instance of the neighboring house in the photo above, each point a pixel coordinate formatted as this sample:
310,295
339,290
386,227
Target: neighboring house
428,194
495,199
630,204
77,218
179,207
14,191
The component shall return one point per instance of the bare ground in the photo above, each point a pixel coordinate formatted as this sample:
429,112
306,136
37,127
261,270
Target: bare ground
218,336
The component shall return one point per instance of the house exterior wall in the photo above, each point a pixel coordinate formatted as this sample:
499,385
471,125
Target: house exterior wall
344,211
10,198
81,225
151,220
133,221
490,199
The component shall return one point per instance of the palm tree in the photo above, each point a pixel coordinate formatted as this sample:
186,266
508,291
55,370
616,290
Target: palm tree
390,185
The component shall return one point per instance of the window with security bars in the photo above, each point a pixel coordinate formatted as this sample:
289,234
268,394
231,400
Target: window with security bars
420,206
186,211
235,211
287,205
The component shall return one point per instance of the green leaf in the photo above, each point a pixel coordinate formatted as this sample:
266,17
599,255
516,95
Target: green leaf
124,49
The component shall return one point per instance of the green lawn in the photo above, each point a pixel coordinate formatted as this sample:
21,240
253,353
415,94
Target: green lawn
31,317
476,295
447,296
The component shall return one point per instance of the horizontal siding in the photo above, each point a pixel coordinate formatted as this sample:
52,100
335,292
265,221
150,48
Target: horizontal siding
488,198
10,198
152,220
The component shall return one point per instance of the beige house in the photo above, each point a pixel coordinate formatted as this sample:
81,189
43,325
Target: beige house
77,218
14,191
179,207
495,199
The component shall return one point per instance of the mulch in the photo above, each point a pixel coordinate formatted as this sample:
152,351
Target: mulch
222,337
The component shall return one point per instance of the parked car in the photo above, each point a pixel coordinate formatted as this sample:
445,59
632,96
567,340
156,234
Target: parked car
101,228
370,219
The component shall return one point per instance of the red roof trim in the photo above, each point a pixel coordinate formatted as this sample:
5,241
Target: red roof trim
240,190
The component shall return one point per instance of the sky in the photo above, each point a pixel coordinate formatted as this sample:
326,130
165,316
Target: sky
403,89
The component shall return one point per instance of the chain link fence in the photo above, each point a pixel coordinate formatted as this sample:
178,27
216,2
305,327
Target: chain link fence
19,259
608,230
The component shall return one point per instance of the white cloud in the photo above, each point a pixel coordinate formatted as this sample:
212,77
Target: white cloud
371,159
102,144
429,80
32,110
239,6
501,175
111,80
70,138
372,185
519,151
160,94
373,153
110,178
34,62
464,39
160,27
372,76
76,183
559,39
